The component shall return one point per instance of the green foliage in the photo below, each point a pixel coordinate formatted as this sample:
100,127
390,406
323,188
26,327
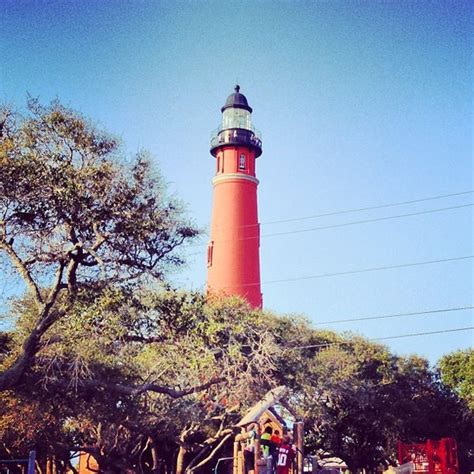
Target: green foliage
64,187
358,400
117,340
77,218
457,372
355,398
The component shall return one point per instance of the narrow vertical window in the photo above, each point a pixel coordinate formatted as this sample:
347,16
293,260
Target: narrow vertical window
242,162
210,251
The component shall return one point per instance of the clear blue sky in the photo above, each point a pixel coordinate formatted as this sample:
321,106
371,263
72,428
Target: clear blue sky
360,104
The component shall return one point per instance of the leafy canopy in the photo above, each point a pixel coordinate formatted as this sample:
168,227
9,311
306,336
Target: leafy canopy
76,217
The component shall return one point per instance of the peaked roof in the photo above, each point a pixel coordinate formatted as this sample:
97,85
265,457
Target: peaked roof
271,398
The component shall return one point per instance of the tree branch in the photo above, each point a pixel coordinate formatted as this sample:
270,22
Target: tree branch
23,271
53,294
143,339
211,454
100,238
71,273
148,387
11,376
32,343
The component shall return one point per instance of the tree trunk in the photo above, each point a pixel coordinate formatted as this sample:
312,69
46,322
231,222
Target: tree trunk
155,468
38,467
180,460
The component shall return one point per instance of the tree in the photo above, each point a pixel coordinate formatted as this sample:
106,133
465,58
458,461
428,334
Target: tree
429,409
75,217
357,399
457,372
133,355
343,405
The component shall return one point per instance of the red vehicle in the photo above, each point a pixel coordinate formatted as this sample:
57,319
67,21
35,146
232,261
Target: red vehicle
433,456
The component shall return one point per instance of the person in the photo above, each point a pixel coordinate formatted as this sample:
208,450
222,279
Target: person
249,449
276,440
276,437
265,442
286,455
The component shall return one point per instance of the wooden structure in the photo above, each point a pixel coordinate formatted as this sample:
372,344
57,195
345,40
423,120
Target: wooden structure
253,425
87,464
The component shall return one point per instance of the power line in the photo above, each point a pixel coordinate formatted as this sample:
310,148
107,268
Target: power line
364,270
469,328
397,315
366,221
194,254
385,338
345,224
372,269
360,209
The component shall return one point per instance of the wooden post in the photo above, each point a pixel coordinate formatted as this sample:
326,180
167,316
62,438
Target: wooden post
241,462
236,458
299,431
256,458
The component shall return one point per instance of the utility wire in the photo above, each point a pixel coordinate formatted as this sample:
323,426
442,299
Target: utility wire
359,209
385,338
364,270
366,221
194,254
397,315
345,224
442,331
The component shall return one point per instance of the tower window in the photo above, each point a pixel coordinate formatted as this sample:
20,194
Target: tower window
242,162
210,251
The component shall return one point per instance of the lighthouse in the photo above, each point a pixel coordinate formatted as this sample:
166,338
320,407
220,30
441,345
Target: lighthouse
233,258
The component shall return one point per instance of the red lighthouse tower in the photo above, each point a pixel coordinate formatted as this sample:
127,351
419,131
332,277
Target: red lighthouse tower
233,253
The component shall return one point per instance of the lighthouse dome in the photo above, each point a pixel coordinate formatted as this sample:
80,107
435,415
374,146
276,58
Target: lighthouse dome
237,101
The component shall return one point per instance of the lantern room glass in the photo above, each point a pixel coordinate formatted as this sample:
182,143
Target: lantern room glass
236,118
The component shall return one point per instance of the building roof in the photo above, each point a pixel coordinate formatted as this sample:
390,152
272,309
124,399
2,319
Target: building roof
237,100
272,397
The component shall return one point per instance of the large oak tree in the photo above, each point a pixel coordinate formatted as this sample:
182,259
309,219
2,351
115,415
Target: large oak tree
123,349
75,216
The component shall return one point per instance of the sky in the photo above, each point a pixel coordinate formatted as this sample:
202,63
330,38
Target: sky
360,104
